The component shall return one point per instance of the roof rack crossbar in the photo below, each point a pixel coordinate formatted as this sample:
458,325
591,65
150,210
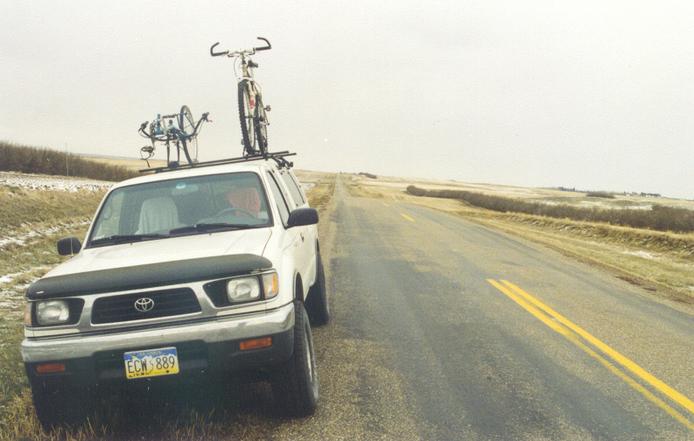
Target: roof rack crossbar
278,157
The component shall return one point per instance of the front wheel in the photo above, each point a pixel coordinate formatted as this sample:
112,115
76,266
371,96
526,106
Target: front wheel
56,406
317,301
247,118
295,383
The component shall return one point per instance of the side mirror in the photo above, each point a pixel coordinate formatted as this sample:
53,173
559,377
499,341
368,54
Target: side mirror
302,216
69,246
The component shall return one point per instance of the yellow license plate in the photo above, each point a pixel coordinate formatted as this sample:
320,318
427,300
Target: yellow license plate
151,363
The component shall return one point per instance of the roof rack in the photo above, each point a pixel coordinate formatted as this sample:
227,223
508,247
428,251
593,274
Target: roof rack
278,157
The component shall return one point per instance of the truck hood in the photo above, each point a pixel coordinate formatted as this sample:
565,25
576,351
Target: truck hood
250,241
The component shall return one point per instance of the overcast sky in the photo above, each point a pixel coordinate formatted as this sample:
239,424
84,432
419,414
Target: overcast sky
592,94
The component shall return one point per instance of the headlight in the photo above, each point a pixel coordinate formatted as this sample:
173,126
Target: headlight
243,290
52,312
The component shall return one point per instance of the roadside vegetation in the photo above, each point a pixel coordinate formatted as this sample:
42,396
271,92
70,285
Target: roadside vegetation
27,159
661,262
658,217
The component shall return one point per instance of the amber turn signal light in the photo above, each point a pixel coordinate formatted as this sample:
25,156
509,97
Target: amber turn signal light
255,343
50,368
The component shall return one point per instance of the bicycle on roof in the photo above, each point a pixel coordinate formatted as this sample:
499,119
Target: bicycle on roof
252,113
180,128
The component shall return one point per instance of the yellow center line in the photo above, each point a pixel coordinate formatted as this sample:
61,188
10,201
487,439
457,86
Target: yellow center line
409,218
637,370
552,322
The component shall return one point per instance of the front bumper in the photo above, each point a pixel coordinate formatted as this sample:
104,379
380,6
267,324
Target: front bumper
203,347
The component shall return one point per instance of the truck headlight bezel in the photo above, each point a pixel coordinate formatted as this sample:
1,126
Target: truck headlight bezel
243,289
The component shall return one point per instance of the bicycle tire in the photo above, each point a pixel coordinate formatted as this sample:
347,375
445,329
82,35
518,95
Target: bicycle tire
185,151
186,123
247,117
260,124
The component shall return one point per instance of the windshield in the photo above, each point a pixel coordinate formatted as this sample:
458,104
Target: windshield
195,205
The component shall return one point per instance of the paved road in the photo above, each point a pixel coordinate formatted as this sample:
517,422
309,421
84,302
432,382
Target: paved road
450,330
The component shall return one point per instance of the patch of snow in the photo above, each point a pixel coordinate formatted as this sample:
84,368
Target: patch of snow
7,278
4,241
640,253
21,239
50,182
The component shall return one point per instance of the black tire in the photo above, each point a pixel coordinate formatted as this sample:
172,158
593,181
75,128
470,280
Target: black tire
184,146
186,124
260,124
247,118
295,382
317,303
60,406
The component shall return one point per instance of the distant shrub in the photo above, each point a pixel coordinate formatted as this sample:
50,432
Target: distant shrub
369,175
600,194
659,217
28,159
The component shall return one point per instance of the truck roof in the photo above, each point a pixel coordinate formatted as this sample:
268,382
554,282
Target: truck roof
254,166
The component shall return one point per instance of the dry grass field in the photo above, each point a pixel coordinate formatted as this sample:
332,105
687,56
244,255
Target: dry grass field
134,164
548,196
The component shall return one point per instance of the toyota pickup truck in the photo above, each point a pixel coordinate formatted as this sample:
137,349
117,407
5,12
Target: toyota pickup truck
212,270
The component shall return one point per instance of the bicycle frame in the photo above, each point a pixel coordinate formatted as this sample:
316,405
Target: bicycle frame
256,115
163,130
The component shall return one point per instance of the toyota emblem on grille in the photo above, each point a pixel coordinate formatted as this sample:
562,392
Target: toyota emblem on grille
144,304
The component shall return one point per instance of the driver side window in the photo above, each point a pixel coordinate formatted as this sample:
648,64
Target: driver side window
279,198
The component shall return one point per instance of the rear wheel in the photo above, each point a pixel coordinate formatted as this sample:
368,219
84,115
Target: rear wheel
247,111
295,383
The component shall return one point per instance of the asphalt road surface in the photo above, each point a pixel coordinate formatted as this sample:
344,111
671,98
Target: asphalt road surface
444,329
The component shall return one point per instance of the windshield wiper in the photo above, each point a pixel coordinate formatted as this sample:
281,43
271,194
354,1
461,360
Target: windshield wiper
205,227
125,238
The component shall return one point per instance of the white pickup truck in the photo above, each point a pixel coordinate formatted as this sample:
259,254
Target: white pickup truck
201,271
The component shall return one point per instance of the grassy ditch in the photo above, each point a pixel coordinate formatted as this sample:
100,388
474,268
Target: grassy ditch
659,217
27,159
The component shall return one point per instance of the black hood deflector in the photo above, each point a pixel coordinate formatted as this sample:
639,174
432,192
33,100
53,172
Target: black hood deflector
146,276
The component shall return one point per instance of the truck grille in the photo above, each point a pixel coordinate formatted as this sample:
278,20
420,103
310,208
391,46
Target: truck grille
166,303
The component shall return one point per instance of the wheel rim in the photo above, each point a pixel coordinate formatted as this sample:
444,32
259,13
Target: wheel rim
249,112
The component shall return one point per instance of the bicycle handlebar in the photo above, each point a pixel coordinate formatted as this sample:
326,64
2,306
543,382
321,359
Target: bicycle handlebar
250,52
264,48
217,54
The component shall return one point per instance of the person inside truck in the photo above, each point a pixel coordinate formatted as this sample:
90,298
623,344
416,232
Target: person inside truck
244,198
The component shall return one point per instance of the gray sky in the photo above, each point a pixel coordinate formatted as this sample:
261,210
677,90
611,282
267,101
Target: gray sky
592,94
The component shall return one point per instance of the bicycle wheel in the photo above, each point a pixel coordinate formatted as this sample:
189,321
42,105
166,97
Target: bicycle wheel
247,116
261,124
184,146
186,123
